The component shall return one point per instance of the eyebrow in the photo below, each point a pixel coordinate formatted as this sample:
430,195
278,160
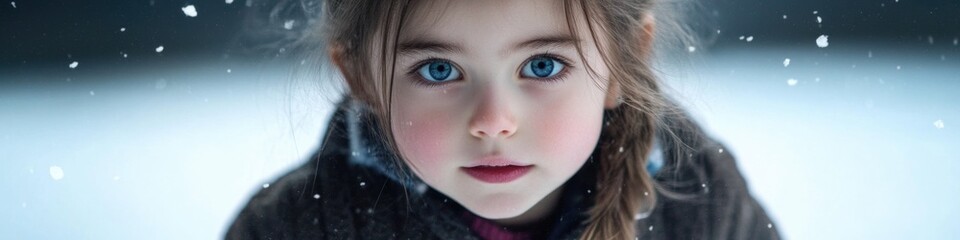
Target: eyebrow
548,41
424,45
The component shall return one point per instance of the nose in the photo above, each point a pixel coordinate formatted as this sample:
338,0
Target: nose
492,117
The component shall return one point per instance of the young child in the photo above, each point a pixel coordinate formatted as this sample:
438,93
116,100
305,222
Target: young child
534,119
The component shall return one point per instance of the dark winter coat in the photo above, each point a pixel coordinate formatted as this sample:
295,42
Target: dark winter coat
350,190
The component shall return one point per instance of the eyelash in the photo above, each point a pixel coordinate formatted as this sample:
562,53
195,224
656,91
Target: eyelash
420,82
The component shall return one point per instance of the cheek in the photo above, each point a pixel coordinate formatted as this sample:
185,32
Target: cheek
569,131
423,137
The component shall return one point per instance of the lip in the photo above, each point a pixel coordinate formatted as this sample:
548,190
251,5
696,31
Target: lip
497,169
497,174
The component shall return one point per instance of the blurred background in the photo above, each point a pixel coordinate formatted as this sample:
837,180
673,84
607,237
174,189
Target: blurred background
142,119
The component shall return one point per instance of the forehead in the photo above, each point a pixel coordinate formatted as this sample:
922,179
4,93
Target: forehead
484,23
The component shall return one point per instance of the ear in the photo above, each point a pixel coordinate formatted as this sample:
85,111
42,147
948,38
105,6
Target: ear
648,25
336,52
647,34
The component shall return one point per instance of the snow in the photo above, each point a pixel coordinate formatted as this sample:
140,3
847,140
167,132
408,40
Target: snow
363,184
123,29
228,70
816,12
784,16
869,54
651,228
819,19
741,37
938,124
116,178
229,1
74,64
792,82
750,39
769,225
621,149
124,55
930,39
266,185
786,62
956,41
14,4
721,150
190,11
822,41
316,196
92,93
160,48
898,67
288,24
691,49
56,172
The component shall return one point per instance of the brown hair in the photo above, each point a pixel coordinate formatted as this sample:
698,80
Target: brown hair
355,29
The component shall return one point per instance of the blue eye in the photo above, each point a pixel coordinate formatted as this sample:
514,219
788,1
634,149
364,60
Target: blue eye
439,71
542,67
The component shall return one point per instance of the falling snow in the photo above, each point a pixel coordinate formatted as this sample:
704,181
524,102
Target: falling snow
160,48
229,1
721,150
819,19
930,39
938,124
190,11
784,16
123,29
266,185
363,184
124,55
316,196
898,67
769,225
822,41
56,172
750,39
786,62
74,64
14,4
92,93
741,37
792,82
956,41
691,49
288,24
621,149
229,71
869,54
651,228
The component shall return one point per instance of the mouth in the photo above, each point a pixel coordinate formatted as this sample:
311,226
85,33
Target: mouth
497,174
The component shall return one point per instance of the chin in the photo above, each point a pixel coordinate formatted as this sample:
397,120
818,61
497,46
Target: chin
500,206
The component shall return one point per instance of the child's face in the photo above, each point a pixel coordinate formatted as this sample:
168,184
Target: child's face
479,80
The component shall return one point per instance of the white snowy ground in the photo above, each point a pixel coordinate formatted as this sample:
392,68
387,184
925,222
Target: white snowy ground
172,152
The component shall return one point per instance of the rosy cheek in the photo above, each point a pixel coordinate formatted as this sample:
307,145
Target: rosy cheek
568,133
423,139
